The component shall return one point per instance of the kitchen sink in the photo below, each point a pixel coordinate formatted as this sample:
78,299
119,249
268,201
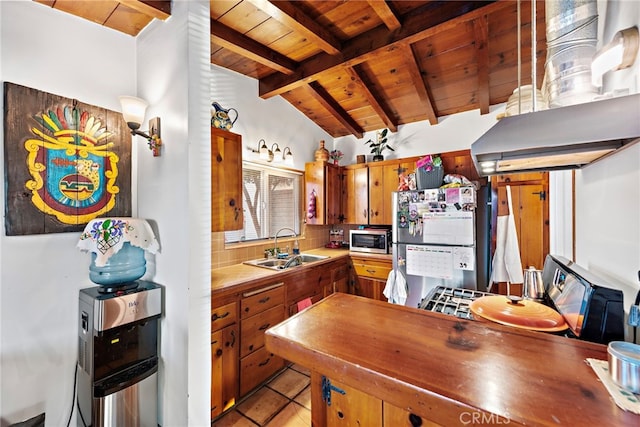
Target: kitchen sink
282,264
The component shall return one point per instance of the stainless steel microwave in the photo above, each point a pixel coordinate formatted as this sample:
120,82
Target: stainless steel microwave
371,240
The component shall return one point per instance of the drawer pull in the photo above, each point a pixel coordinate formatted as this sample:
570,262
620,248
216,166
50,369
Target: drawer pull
371,271
216,316
265,326
265,362
266,288
264,300
251,347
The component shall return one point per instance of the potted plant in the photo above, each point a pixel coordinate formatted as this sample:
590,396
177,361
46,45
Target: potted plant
380,145
336,155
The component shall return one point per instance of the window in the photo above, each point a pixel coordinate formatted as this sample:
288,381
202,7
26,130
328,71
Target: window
271,201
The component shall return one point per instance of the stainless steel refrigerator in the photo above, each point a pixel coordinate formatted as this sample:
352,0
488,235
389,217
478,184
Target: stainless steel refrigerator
440,238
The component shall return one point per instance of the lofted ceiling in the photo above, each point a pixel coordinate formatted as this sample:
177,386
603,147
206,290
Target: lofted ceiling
360,65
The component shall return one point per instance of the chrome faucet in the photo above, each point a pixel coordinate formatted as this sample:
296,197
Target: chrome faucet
294,260
275,238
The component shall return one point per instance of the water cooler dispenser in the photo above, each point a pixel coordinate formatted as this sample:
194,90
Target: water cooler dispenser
118,327
118,355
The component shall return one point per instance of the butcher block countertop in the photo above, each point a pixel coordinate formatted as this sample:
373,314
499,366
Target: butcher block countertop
445,369
224,278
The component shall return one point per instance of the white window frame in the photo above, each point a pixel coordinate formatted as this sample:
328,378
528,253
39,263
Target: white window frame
231,237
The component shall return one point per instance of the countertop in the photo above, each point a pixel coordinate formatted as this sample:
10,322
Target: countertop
228,277
443,368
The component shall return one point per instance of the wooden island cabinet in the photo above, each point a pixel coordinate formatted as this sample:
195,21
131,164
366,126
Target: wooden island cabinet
390,365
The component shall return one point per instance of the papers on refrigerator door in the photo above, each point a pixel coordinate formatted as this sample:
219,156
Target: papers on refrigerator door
464,259
450,228
430,261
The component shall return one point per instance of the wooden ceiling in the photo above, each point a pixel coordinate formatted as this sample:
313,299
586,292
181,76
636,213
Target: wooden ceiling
360,65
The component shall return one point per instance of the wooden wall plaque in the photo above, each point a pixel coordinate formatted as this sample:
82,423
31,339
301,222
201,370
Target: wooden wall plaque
65,162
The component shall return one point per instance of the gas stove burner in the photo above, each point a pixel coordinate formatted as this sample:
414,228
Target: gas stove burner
119,287
451,301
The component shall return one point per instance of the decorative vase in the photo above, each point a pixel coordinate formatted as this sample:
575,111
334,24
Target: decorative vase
322,154
335,162
378,158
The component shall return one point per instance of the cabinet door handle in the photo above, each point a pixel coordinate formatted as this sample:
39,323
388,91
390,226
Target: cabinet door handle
216,316
233,339
265,326
264,300
364,213
265,362
219,352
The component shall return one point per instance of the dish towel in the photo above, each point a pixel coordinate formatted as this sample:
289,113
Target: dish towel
506,265
623,398
396,288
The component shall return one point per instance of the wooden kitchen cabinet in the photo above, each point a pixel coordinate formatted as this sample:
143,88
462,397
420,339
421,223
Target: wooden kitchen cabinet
355,198
325,179
384,180
340,277
224,357
349,407
226,180
259,310
371,276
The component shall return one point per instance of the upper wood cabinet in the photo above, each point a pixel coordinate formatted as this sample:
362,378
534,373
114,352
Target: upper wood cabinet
368,188
325,180
226,180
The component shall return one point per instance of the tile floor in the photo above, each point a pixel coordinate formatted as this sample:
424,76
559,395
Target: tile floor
284,401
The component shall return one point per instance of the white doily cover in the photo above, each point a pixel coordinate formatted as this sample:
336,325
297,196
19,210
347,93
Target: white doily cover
106,236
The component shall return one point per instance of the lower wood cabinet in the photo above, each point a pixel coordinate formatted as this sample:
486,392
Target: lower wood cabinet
224,357
371,276
240,361
259,310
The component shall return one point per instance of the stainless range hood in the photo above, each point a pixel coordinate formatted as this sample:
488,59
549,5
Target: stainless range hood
559,138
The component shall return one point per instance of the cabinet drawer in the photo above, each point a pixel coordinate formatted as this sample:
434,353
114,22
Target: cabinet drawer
254,302
223,316
252,328
370,268
257,367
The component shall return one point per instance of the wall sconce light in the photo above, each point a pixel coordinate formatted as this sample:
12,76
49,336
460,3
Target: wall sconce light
133,110
619,54
276,155
288,157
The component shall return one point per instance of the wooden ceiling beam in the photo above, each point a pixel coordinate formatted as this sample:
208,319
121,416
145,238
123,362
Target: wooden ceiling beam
160,9
249,48
481,32
429,20
375,100
321,95
383,10
422,88
287,13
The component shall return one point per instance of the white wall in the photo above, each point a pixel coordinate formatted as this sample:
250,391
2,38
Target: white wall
42,274
452,133
273,119
174,190
608,191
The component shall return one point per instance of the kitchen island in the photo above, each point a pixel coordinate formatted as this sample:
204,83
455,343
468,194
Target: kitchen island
445,370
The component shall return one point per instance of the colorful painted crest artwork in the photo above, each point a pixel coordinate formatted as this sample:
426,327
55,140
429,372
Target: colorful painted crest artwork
73,171
66,162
